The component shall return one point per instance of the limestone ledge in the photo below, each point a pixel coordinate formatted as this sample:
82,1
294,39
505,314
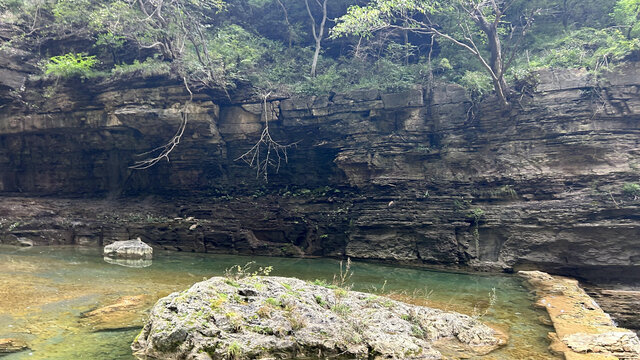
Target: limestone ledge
582,330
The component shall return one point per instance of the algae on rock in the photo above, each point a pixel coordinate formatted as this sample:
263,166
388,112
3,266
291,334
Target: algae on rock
278,317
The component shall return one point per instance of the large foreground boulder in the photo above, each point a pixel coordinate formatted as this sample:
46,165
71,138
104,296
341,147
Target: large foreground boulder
283,318
129,249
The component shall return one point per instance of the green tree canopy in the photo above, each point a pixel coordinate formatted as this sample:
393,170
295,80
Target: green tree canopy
627,14
476,26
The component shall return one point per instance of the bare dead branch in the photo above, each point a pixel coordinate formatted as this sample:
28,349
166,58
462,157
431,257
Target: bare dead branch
313,19
163,150
286,19
166,149
266,152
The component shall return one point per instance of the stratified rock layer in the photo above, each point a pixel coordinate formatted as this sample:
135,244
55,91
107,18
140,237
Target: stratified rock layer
411,177
284,318
622,304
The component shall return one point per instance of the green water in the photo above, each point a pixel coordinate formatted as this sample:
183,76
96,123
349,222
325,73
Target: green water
44,291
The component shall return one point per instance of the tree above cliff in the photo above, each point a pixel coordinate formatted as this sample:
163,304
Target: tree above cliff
477,27
277,46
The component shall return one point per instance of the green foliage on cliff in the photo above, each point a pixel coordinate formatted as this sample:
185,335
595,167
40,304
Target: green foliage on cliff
384,44
477,83
586,47
146,68
631,190
627,15
70,65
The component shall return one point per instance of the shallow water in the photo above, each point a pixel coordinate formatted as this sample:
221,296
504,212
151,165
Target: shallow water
44,291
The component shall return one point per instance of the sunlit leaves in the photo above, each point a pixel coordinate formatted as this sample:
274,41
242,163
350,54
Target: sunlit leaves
627,14
70,65
71,12
364,20
588,48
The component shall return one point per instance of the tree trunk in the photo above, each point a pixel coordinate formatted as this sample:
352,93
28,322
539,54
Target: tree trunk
286,20
406,47
497,66
496,61
316,54
565,14
317,34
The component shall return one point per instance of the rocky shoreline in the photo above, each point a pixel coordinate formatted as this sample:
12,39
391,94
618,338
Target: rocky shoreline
187,225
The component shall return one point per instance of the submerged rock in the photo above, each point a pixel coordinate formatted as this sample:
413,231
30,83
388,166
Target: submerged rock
8,346
129,249
284,318
124,313
13,240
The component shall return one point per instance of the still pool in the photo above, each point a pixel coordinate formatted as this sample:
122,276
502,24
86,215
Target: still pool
45,290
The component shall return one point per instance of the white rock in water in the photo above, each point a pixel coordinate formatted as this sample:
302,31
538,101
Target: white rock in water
129,249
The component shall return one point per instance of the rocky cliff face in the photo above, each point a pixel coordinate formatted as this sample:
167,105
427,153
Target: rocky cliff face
416,177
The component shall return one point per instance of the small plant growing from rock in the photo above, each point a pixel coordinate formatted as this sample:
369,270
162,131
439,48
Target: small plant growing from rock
237,272
493,298
14,226
238,299
344,276
296,320
417,331
340,292
273,302
232,283
631,190
235,320
323,283
320,301
341,309
265,330
476,215
70,65
259,286
234,351
264,312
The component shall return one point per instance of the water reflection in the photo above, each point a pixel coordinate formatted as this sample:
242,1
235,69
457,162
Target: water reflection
131,263
45,291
